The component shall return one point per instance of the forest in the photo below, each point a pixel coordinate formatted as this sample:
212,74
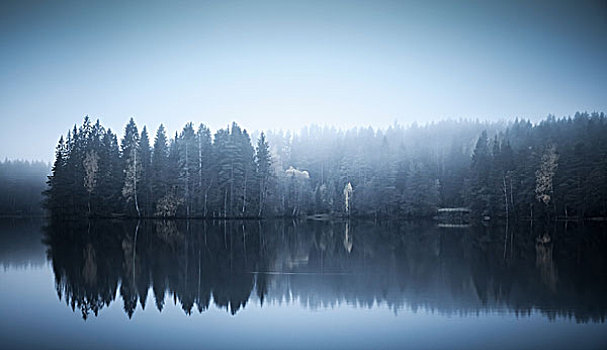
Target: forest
21,186
555,168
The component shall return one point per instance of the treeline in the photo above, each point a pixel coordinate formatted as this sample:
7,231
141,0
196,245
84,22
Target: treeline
557,167
191,175
21,185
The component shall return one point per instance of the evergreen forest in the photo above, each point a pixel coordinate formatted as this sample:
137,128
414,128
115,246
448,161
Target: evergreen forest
555,168
21,186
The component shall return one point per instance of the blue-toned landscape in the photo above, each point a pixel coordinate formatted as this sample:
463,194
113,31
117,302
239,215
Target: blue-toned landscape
277,174
282,283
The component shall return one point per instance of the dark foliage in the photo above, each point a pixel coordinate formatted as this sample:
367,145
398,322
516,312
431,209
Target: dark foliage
21,186
556,168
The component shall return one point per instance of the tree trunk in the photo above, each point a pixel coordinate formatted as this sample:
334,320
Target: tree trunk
232,189
505,190
135,184
206,192
244,197
531,210
199,173
512,198
204,207
261,196
225,203
186,180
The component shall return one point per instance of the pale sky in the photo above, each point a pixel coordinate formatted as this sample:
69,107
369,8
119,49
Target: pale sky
286,64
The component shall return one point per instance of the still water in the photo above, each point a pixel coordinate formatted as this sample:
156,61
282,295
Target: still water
310,285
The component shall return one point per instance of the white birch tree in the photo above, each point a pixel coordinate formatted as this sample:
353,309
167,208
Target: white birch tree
91,167
132,177
348,197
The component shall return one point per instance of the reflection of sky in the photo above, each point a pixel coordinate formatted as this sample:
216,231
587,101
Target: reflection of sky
32,316
280,64
300,311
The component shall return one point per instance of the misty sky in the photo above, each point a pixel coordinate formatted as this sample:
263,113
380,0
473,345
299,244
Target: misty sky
284,64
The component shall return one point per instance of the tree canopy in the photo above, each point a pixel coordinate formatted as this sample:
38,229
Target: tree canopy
557,167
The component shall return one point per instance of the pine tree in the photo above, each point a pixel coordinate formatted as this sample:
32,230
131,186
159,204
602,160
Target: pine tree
159,167
188,161
479,196
58,190
116,173
145,156
264,171
226,159
245,168
169,204
204,168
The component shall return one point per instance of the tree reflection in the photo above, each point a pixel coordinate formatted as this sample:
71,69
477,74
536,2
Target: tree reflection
402,265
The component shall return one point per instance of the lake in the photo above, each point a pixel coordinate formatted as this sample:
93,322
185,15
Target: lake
277,284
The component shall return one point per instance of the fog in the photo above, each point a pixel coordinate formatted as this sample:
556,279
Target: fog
285,65
555,168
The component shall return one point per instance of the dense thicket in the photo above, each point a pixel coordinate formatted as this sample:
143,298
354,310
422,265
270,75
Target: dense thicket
557,167
21,184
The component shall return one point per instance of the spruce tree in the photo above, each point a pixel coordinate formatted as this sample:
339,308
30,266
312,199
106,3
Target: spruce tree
58,187
479,192
205,168
188,161
159,166
264,172
145,155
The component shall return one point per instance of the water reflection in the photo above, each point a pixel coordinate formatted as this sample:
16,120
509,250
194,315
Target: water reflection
462,271
20,243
